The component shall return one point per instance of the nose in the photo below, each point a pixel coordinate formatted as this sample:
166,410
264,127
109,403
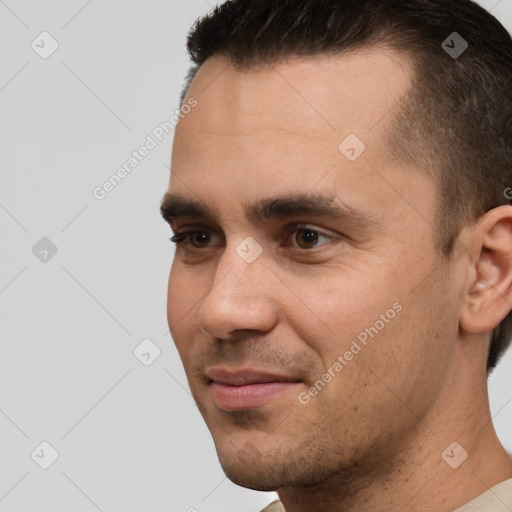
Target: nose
239,299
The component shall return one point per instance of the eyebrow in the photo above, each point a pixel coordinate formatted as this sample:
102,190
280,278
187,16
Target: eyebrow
175,206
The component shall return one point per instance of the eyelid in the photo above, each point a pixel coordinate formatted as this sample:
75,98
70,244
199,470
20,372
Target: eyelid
293,228
194,227
305,226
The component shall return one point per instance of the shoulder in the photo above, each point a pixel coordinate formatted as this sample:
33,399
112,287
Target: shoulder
496,499
275,506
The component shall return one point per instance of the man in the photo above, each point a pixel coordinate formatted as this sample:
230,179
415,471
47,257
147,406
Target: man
342,283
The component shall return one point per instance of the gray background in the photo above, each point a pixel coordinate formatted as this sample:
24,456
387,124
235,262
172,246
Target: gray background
128,435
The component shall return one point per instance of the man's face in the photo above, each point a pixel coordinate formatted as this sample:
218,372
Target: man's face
323,340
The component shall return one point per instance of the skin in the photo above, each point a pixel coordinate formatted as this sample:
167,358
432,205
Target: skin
372,438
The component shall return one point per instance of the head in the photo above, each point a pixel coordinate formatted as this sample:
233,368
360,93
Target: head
342,185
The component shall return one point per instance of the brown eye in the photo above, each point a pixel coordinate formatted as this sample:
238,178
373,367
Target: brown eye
194,239
200,239
307,238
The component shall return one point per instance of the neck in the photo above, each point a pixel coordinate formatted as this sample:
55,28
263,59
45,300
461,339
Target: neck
415,473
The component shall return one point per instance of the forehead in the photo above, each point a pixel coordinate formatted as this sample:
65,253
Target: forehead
311,96
293,126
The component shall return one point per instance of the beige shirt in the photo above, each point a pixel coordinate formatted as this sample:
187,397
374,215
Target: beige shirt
497,499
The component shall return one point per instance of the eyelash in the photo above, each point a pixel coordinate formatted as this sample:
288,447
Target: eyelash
181,238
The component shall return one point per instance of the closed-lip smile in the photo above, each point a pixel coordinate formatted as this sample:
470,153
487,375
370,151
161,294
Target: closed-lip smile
245,377
238,390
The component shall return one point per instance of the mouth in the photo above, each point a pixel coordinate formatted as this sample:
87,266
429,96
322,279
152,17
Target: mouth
247,389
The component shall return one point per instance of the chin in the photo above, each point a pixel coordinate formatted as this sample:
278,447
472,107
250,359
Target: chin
251,463
251,467
255,476
255,484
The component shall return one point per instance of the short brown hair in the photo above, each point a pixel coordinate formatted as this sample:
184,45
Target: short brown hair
456,121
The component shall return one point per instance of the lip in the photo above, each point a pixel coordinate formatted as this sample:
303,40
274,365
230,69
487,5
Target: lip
245,377
247,389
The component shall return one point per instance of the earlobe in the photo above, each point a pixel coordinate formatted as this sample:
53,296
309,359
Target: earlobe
487,295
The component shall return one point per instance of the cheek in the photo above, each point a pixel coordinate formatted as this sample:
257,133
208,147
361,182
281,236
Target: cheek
173,292
411,355
184,290
341,307
183,295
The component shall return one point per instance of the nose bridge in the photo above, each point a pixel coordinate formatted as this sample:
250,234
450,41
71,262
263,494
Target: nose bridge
239,274
242,265
239,297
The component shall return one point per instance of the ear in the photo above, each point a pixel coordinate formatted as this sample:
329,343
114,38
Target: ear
487,295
